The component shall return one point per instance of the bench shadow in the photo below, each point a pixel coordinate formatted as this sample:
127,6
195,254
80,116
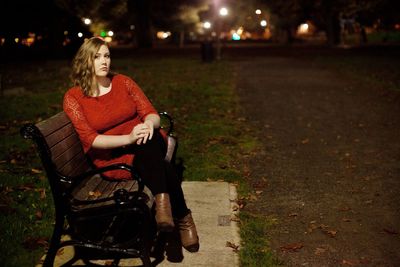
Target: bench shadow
167,247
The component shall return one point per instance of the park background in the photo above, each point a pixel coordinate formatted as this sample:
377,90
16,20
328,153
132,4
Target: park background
184,54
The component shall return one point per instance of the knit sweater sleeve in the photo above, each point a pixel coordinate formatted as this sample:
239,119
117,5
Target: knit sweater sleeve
143,104
74,111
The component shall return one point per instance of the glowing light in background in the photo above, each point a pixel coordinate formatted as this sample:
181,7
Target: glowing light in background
303,28
87,21
80,35
235,36
263,23
163,35
207,25
258,11
223,11
110,33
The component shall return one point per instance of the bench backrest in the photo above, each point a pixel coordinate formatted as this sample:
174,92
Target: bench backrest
63,144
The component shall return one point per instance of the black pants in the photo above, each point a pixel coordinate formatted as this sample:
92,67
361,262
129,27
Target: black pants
159,175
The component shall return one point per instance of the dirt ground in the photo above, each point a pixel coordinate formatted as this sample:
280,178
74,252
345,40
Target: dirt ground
328,171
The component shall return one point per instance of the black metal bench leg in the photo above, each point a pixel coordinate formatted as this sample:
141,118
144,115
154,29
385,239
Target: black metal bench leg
146,259
54,242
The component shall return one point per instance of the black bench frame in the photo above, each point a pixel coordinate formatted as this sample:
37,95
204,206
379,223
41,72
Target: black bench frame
125,199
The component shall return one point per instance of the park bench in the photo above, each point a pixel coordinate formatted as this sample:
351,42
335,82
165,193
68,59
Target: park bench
105,219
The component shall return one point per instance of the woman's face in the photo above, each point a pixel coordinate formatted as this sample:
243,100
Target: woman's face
102,61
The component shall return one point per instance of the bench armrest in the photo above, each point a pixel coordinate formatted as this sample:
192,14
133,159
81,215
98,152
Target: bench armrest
170,120
76,179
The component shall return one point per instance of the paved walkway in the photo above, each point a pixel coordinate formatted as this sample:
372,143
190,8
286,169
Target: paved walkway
212,208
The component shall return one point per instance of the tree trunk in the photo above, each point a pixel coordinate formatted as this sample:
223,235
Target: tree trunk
181,38
332,23
143,27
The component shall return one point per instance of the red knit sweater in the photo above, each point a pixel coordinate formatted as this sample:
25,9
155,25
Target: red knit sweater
115,113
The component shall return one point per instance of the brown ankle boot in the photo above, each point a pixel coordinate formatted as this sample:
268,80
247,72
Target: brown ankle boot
164,219
187,230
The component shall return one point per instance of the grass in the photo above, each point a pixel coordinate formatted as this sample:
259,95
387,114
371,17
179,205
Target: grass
254,233
201,97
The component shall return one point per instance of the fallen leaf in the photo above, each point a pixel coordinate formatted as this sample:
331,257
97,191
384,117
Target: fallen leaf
109,263
350,262
94,193
305,141
32,243
390,231
292,247
258,192
232,245
25,187
42,192
36,171
235,218
319,251
241,203
294,214
60,252
39,214
331,233
346,220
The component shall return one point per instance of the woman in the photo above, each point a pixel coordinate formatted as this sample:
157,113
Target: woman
116,123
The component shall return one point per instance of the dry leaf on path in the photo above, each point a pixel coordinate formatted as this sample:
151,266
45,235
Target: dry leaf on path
390,231
232,245
350,262
305,141
319,251
60,252
331,233
292,247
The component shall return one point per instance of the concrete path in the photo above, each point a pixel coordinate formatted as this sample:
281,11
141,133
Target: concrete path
212,205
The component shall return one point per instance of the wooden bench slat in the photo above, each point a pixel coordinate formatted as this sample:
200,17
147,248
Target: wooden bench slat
53,123
66,150
62,133
76,165
66,144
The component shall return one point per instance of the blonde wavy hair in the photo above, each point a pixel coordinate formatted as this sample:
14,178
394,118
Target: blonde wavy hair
83,72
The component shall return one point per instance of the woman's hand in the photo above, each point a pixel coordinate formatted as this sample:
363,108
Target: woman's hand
143,132
139,133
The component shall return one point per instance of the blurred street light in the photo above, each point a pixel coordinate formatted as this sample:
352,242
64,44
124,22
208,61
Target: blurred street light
258,11
207,25
263,23
87,21
80,35
223,11
110,33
